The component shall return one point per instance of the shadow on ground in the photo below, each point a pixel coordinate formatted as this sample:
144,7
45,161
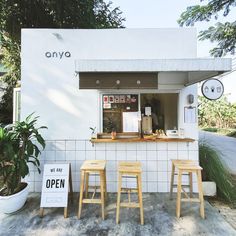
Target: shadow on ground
159,216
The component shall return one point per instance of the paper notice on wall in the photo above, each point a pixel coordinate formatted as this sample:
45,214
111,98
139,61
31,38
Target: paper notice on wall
130,121
190,115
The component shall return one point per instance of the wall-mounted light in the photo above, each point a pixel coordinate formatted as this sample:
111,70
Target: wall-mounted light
118,82
190,99
138,82
58,36
97,82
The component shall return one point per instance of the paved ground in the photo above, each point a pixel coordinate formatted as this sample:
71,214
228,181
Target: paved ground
225,145
229,214
159,220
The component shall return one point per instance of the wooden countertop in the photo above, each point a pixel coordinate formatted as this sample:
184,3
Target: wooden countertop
129,140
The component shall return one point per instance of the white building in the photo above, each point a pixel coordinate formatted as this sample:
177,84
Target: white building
77,79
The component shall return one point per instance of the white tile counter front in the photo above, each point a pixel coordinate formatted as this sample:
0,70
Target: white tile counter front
154,156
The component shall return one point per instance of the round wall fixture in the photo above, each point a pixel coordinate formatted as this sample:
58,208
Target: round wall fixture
212,89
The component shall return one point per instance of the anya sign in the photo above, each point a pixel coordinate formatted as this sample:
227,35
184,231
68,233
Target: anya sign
212,89
55,185
60,55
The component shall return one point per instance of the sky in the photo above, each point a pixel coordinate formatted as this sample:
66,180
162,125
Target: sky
164,14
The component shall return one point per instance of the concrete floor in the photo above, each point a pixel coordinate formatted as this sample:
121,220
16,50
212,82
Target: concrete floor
159,214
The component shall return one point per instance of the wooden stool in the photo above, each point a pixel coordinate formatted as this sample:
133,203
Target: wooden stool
173,173
190,167
130,170
93,167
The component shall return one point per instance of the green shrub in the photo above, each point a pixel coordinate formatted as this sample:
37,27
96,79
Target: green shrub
232,134
217,172
209,129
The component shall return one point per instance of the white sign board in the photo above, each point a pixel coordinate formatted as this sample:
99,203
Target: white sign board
212,89
148,111
130,121
55,185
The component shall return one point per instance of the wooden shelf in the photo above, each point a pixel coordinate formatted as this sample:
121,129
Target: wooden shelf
129,140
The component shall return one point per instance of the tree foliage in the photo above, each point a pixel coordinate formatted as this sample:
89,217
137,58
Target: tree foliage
18,14
220,113
224,34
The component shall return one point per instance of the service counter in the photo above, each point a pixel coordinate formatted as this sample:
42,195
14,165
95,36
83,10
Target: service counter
135,137
129,140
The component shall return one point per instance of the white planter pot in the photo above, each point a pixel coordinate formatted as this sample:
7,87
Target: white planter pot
209,188
9,204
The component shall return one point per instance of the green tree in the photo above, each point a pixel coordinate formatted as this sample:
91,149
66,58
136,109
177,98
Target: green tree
220,113
224,34
18,14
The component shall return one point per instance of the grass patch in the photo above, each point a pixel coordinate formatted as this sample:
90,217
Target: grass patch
217,172
209,129
226,132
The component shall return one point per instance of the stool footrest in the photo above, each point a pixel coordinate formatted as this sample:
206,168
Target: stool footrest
185,174
131,176
129,204
131,190
190,200
95,201
94,187
182,185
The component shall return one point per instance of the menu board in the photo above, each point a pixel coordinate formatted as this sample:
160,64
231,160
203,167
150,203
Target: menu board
190,115
130,121
120,101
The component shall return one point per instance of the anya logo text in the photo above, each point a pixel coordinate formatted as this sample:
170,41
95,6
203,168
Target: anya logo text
58,55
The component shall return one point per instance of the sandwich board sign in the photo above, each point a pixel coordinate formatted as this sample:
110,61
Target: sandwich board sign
55,187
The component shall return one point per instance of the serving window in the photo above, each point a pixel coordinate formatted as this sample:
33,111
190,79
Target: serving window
121,112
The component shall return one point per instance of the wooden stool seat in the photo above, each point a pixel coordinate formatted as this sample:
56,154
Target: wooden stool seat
190,167
93,167
130,170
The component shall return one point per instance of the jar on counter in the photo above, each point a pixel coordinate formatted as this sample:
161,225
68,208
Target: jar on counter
113,135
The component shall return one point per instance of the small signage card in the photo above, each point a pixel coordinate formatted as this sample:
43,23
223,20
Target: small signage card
55,185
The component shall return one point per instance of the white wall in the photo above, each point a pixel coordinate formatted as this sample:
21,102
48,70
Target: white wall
50,87
190,129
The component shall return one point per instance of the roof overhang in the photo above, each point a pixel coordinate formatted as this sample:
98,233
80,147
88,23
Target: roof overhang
196,69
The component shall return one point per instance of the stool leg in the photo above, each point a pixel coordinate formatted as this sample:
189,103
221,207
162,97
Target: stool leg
81,193
140,199
199,180
102,193
105,184
65,212
137,187
118,199
191,184
86,184
178,202
172,180
41,212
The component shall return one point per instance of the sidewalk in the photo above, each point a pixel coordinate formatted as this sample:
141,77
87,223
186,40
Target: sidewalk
159,217
223,144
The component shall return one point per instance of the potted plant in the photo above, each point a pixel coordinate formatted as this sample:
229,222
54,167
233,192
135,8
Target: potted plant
93,133
20,144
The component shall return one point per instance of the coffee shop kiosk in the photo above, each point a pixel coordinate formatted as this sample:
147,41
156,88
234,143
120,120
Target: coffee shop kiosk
115,94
